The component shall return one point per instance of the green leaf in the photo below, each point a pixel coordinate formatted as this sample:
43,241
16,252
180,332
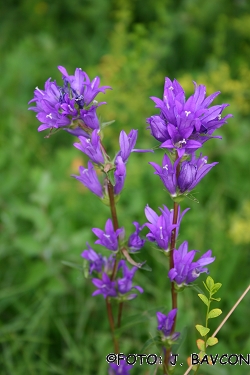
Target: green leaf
151,342
111,176
214,313
205,286
215,288
105,124
202,330
215,299
210,283
204,299
72,265
212,341
131,321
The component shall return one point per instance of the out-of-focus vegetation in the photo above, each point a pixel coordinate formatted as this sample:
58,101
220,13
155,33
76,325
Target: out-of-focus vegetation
49,323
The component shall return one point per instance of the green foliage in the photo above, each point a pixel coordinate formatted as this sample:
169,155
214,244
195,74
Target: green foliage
49,323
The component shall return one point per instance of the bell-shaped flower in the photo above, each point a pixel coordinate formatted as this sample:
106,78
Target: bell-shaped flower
135,242
96,261
119,175
91,147
165,324
125,283
161,226
88,178
192,171
105,286
108,237
185,270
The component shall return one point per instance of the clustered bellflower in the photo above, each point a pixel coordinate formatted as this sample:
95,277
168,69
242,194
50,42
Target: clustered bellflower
184,125
161,226
190,173
185,271
165,324
72,106
119,288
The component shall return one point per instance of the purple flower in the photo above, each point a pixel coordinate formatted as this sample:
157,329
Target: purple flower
167,174
165,324
105,286
62,106
109,237
122,369
88,178
125,283
161,226
192,172
127,143
91,147
90,118
185,125
185,270
96,261
135,242
119,174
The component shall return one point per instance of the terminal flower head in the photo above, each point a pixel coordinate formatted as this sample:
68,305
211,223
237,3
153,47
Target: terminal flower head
70,104
184,125
185,270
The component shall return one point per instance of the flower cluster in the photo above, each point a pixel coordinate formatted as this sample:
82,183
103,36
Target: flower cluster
190,173
71,106
185,270
103,267
161,226
183,125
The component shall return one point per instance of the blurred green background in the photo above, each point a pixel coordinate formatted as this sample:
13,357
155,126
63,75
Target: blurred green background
49,324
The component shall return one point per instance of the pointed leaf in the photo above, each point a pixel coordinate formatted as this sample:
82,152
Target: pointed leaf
154,341
214,313
215,299
204,299
201,345
210,283
206,286
215,288
202,330
111,176
212,341
72,265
